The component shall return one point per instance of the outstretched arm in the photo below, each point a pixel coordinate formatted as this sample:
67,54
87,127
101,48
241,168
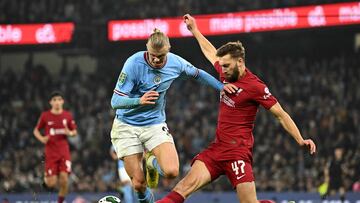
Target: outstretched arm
205,78
289,125
206,47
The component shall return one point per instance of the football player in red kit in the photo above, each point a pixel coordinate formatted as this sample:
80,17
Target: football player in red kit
230,153
58,124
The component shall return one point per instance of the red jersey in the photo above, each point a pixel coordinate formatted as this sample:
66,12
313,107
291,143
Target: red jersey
237,115
54,127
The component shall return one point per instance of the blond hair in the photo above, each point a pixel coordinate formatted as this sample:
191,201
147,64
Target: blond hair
158,40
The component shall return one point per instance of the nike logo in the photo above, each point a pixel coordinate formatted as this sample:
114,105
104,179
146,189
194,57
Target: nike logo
50,123
239,177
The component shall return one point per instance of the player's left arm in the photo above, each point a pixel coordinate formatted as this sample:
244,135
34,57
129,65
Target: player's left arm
289,125
207,79
203,77
70,127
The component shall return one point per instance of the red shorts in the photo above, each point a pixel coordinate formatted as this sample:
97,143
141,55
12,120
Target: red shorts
55,166
236,170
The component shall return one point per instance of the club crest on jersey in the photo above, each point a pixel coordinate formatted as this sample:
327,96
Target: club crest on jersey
267,93
157,79
122,78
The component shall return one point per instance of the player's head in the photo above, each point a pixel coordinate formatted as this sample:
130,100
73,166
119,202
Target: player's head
232,60
158,45
56,100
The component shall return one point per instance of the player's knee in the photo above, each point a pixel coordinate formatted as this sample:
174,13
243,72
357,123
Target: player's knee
171,172
139,184
51,183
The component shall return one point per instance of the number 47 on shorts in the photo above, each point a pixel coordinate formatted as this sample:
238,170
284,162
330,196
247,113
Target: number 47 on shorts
236,165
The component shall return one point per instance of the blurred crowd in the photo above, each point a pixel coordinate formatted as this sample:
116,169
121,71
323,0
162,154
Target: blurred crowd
322,96
97,11
23,99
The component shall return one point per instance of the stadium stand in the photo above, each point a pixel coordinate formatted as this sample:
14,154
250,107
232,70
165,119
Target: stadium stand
320,92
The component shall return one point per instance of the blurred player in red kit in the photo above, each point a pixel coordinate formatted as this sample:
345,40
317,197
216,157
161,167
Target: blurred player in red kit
230,153
58,124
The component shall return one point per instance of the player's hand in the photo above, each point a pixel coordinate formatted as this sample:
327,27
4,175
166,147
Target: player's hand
149,98
310,145
190,22
44,139
230,88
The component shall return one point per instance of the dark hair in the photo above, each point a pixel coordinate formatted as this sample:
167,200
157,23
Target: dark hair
56,94
235,49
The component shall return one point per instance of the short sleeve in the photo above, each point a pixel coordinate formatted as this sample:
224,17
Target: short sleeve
41,122
217,67
263,96
126,80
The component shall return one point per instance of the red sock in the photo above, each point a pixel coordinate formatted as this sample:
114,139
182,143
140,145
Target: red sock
61,199
172,197
266,201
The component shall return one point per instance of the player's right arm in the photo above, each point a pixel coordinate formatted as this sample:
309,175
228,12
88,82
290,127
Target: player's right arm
206,47
125,84
40,124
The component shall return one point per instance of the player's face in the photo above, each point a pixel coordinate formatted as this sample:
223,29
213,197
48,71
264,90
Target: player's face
57,102
230,67
157,57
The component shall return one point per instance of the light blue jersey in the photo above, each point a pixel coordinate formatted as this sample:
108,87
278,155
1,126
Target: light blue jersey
138,77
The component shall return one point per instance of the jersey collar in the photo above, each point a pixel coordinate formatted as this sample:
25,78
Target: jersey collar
146,57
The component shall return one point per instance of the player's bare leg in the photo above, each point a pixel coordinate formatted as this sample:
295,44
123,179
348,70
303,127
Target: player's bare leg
63,186
197,177
168,160
133,167
246,193
51,181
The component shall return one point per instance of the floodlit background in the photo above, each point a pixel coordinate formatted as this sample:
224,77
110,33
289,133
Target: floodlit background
313,70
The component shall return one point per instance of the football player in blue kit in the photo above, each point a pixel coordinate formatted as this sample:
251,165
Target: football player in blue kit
139,124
